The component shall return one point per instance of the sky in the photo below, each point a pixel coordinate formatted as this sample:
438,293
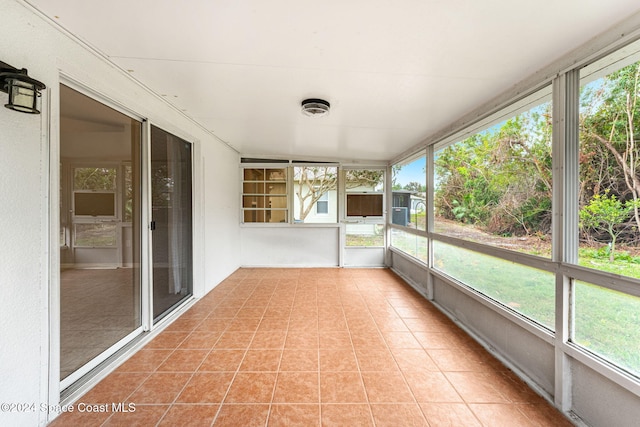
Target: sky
412,172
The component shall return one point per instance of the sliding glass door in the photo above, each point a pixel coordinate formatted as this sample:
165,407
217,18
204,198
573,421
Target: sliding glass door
100,284
171,203
107,187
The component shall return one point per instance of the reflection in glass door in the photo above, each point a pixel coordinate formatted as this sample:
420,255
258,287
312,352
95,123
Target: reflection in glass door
171,225
99,232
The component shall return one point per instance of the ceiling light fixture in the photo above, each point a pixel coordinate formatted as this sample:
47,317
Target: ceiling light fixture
315,107
23,90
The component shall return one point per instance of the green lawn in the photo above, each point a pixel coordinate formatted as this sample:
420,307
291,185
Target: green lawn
606,322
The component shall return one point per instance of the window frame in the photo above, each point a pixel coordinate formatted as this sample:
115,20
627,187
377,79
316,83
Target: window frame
289,194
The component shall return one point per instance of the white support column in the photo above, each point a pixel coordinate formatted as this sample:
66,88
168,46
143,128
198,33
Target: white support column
429,215
388,189
565,221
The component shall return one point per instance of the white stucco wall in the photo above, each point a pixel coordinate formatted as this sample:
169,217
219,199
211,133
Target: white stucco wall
27,254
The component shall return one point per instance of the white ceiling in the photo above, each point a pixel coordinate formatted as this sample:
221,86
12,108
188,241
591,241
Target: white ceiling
394,72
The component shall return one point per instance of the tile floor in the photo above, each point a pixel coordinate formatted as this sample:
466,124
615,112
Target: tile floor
311,347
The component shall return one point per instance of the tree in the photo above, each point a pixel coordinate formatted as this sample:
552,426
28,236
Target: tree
416,187
606,213
500,179
610,121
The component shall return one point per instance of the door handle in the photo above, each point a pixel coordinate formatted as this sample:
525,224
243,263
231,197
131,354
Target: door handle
152,226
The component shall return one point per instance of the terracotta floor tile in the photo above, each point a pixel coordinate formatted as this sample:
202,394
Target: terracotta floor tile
222,360
310,347
251,387
114,388
516,390
168,340
368,341
204,340
301,339
362,325
449,414
297,387
500,415
409,360
184,415
422,325
477,387
376,360
213,324
338,360
234,340
294,415
332,324
544,415
435,340
457,360
390,415
145,360
341,415
183,324
183,361
141,415
245,415
206,387
401,340
386,387
276,318
261,360
431,387
307,323
335,340
299,360
160,387
393,324
342,387
85,419
252,312
243,325
269,339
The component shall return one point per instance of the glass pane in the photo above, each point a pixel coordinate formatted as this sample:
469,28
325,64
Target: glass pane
526,290
364,180
609,198
94,178
276,174
606,323
95,235
494,187
364,188
411,244
94,204
100,261
272,188
172,215
272,215
276,202
253,201
310,184
253,187
409,201
368,235
254,175
253,216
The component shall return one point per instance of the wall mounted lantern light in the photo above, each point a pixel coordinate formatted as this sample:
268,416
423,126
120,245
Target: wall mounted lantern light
23,90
